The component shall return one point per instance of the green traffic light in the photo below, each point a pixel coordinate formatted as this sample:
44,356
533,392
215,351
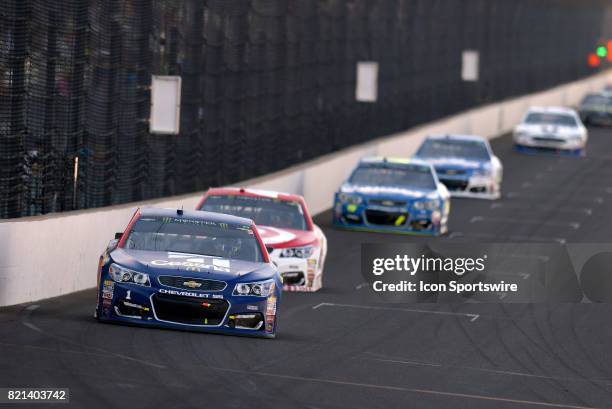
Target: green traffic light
602,51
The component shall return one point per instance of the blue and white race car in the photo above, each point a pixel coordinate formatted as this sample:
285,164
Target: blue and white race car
189,270
393,195
465,164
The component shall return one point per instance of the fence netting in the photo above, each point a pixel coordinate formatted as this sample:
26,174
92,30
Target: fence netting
266,84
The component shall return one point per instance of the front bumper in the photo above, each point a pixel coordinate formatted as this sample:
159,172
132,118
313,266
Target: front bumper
535,150
388,220
537,144
596,117
479,187
299,274
218,312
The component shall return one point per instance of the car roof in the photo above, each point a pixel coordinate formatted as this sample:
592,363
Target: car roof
240,191
596,94
393,161
552,110
194,215
459,137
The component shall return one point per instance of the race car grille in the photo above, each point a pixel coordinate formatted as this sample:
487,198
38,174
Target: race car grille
386,218
293,278
187,283
450,172
453,184
387,203
189,310
550,139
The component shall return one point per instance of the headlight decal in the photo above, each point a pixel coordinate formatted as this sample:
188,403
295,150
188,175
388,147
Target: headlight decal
349,199
482,172
254,289
299,252
427,204
121,274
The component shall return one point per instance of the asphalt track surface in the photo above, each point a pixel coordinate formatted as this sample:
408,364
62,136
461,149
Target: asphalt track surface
337,350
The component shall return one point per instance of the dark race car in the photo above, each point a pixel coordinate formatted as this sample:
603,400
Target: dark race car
189,270
596,109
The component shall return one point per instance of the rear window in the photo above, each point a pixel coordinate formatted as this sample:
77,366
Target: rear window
596,100
452,148
407,177
194,236
263,211
550,119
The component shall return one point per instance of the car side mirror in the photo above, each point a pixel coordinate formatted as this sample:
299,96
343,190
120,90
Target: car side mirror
118,235
112,245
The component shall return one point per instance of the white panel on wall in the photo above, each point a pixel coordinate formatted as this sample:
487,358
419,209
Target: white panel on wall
165,104
470,65
366,89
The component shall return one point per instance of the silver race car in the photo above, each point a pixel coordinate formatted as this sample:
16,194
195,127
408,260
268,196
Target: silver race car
551,129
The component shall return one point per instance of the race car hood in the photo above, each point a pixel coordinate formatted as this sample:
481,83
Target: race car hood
282,238
382,192
169,263
539,129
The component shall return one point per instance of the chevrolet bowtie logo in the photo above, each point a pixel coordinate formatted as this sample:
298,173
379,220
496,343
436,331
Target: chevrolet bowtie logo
192,284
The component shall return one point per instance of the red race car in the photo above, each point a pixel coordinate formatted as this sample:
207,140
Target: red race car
296,245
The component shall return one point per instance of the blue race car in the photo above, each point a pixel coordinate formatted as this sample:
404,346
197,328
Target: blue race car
189,270
465,164
393,195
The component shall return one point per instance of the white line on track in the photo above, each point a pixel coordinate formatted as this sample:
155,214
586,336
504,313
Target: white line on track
516,195
472,317
501,238
487,370
544,259
498,274
360,286
483,219
546,187
418,391
72,351
516,206
25,320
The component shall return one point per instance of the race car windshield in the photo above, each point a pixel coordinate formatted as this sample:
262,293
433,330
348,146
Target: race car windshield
551,119
441,148
596,100
194,236
262,210
407,177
